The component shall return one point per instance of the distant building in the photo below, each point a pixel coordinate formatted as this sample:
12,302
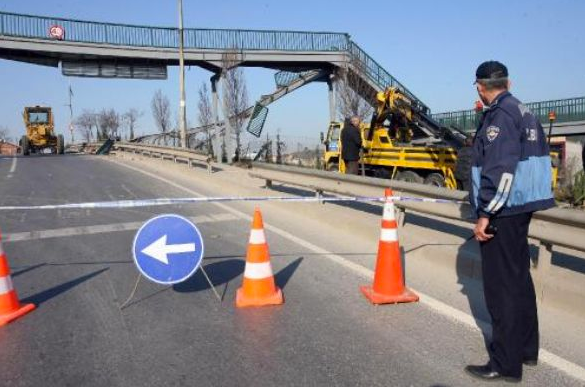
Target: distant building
8,149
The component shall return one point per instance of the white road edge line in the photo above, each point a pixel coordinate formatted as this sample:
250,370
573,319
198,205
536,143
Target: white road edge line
570,368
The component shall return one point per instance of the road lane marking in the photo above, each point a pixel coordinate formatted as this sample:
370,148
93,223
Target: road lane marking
98,229
12,167
572,369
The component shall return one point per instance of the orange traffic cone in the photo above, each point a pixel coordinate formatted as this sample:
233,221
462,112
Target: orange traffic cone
388,287
258,288
10,308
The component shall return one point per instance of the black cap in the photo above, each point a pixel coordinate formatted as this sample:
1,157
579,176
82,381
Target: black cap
491,70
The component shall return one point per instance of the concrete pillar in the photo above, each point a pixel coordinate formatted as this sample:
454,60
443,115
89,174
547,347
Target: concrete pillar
216,130
330,84
230,146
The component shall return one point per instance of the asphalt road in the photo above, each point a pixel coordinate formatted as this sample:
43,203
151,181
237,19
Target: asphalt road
325,333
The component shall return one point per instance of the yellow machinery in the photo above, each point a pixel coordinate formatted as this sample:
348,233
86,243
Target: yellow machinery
40,132
403,142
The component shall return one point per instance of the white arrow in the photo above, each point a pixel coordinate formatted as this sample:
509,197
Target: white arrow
159,249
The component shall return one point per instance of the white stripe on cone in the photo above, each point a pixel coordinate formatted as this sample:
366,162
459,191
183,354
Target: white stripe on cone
258,270
6,284
389,235
257,237
389,212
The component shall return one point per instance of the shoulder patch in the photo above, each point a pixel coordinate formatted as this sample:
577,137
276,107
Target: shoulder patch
523,109
492,132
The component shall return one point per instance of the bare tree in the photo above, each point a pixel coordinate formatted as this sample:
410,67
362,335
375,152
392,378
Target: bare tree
235,96
85,124
350,90
109,123
4,132
130,118
161,111
205,116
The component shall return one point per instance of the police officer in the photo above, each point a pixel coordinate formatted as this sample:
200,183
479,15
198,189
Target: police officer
351,144
510,179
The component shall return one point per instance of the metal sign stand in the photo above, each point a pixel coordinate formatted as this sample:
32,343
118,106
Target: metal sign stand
133,293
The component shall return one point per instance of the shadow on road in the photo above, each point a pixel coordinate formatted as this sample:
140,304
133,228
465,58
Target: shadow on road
25,270
55,291
469,277
283,276
219,273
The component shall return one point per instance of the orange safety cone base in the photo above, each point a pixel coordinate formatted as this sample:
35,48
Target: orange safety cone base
24,309
377,298
243,301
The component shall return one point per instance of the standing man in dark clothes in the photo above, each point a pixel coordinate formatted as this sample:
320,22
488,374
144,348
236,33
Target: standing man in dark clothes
351,143
511,179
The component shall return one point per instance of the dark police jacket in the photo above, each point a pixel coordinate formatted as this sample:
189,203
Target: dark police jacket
351,142
511,165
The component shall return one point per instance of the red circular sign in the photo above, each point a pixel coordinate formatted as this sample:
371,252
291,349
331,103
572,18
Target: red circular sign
57,32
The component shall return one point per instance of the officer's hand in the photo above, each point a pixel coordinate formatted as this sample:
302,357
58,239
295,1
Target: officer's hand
479,230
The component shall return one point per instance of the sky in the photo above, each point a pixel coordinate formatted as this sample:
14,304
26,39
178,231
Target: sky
432,47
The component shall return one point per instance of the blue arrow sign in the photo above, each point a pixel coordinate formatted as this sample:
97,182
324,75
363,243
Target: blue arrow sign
168,249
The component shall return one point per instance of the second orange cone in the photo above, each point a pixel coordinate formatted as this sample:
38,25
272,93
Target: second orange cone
258,287
388,287
10,306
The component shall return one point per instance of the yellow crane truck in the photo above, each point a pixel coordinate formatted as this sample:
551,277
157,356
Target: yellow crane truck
403,142
40,132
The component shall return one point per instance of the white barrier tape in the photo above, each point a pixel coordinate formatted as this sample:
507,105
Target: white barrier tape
171,201
258,270
257,237
389,235
5,285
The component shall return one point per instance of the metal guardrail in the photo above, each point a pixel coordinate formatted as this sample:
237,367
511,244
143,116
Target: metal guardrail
164,152
567,110
573,222
554,227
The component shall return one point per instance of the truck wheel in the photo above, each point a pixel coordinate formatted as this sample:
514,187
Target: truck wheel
60,144
25,144
333,167
435,179
382,173
409,176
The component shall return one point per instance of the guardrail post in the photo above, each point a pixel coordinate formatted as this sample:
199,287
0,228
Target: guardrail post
209,167
400,216
542,269
319,194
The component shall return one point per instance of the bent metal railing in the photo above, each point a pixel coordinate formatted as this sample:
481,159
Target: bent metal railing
37,27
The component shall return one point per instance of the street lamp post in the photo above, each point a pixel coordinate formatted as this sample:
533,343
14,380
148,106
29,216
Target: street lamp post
182,107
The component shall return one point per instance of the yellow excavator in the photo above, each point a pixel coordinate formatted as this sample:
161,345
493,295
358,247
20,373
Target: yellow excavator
40,132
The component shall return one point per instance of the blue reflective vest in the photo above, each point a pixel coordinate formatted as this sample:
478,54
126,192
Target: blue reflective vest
511,165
